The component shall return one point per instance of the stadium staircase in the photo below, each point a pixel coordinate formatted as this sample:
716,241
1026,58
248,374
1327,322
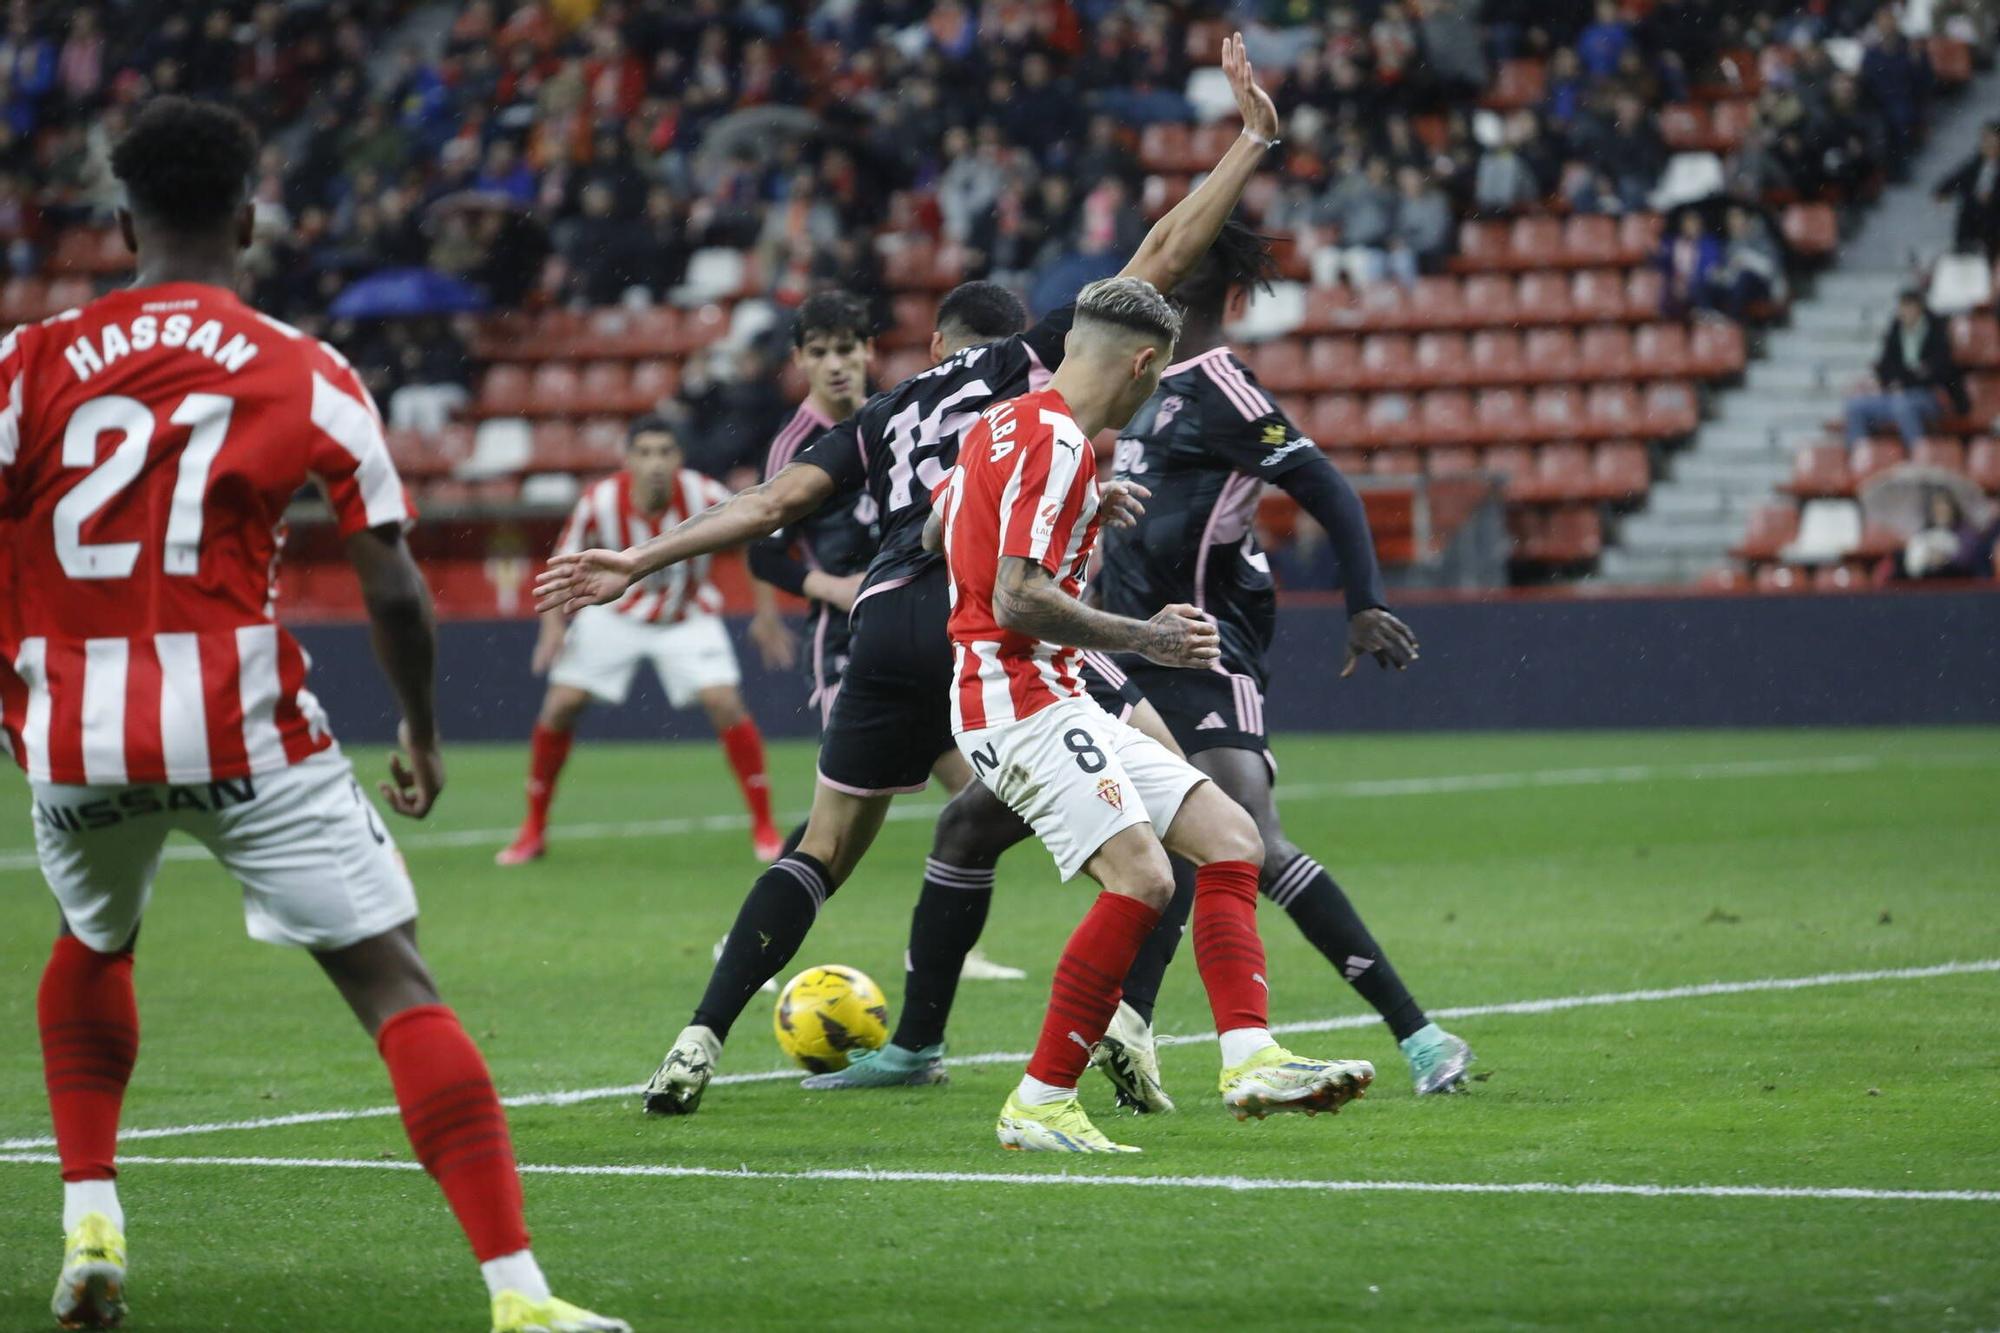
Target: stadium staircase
1771,437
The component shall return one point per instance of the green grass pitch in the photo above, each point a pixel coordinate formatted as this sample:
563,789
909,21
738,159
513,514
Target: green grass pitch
1494,869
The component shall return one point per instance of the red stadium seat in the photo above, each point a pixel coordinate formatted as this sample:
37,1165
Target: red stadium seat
1558,413
1621,471
1281,365
1502,415
1163,146
1329,309
1517,84
653,382
1353,462
1684,127
1446,417
1589,241
1613,409
1563,472
70,294
1337,420
1671,410
23,299
1392,419
1548,355
1729,120
1436,303
1386,361
1452,459
1161,193
1781,578
1605,353
1875,455
1514,464
1385,305
1333,363
1948,454
1838,578
1536,242
1573,535
1597,295
1982,464
1951,61
1645,291
1639,237
1490,301
1441,359
1724,578
503,392
1482,245
553,392
1820,471
1812,229
1660,351
1716,349
1771,529
1975,341
1395,463
1496,357
899,366
605,384
1544,298
911,317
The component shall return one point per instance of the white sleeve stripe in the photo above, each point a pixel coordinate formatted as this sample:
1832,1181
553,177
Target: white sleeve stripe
572,539
349,423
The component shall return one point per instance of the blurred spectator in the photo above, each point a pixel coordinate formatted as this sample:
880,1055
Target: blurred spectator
1975,188
1604,43
1898,79
1422,233
1689,256
1751,271
1363,207
1949,545
1626,146
1511,173
1915,377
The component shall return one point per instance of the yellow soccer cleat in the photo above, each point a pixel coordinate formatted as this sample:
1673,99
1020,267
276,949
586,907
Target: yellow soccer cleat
1058,1127
91,1291
515,1313
1275,1080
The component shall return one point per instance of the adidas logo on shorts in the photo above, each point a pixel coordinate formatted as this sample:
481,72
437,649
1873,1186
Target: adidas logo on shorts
1213,722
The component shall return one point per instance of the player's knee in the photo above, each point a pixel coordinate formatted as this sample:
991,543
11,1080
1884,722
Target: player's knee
967,835
724,708
1279,852
1237,839
561,707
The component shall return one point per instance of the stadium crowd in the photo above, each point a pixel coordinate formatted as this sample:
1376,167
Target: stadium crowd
574,153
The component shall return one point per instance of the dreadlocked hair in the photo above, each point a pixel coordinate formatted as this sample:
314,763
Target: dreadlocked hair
1239,257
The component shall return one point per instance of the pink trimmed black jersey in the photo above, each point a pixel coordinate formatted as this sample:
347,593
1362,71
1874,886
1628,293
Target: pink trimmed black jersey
149,446
607,515
1025,487
1205,444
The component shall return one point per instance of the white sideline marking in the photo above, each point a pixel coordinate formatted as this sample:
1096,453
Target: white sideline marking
1616,774
1549,1005
1232,1184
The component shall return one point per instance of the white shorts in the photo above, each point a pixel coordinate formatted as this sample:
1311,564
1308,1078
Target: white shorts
317,865
604,648
1080,776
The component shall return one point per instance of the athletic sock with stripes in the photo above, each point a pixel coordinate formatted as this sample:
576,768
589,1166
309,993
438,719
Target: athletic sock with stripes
1142,983
770,927
1227,948
949,916
1088,979
89,1018
1324,916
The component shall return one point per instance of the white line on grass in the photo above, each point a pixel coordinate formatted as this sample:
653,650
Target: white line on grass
1364,789
1549,1005
1231,1184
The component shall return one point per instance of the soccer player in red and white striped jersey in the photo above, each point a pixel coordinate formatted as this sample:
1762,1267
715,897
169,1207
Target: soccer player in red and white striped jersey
1018,518
150,444
670,618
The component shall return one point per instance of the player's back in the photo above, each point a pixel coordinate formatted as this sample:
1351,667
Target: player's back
149,446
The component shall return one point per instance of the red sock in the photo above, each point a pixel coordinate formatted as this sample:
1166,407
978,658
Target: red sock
1227,950
548,749
456,1125
744,745
1089,979
90,1037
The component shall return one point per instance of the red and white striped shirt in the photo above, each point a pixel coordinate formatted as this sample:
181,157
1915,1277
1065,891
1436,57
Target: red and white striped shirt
606,516
149,444
1025,485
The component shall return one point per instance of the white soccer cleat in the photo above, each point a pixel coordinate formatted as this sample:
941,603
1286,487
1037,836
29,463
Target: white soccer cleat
1274,1080
770,986
91,1291
677,1085
978,967
1127,1057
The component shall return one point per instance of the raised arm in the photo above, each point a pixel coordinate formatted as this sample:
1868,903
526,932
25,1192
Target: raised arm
1179,239
590,578
405,637
1027,600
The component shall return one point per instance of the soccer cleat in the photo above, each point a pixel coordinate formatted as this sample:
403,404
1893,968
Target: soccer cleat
91,1291
515,1313
527,846
770,986
978,967
766,844
1437,1059
1275,1080
1126,1056
1057,1127
891,1067
677,1085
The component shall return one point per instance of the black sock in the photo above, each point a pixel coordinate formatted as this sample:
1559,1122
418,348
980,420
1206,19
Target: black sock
1142,983
792,840
950,913
1323,915
769,928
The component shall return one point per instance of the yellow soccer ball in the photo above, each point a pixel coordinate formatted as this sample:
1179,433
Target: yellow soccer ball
826,1012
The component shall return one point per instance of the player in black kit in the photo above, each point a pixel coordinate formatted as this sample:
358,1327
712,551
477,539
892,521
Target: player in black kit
891,719
1205,445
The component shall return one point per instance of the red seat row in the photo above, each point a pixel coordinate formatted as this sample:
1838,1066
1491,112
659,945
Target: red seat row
562,389
1828,469
1487,301
1711,349
1665,410
1540,241
1716,128
26,299
610,333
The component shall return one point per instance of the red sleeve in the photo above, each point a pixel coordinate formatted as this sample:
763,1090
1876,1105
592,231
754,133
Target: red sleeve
10,413
1045,498
348,453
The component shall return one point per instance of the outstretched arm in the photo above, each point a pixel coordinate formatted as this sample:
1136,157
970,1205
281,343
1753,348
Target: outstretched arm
1179,239
590,578
1027,600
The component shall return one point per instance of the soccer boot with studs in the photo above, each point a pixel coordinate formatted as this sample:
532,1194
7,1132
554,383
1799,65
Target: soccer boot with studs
892,1066
1127,1057
1437,1060
515,1313
677,1085
1274,1081
91,1291
1057,1127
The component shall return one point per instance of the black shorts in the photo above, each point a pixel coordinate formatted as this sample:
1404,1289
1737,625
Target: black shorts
891,718
827,640
1110,686
1205,710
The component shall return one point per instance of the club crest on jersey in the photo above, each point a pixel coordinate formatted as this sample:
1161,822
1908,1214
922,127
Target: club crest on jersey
1111,793
1170,407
